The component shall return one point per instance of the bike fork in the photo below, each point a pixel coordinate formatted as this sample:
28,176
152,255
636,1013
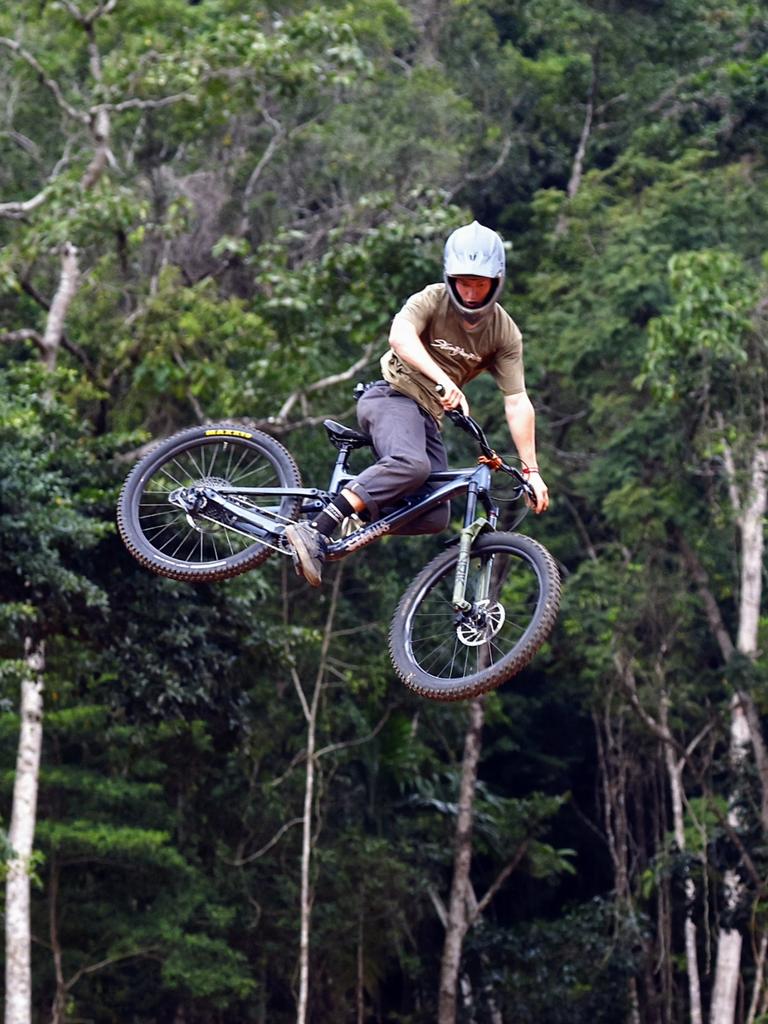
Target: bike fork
471,531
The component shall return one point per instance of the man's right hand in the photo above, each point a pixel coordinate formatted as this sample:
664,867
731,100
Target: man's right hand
452,397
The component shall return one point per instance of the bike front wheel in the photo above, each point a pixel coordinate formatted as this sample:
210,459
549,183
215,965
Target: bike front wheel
513,587
208,546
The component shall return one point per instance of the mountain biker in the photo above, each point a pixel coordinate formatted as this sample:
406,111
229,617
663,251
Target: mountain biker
443,336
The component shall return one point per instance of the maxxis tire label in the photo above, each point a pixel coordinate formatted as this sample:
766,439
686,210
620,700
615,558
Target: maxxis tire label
228,433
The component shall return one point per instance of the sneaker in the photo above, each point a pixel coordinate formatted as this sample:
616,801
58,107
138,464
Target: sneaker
308,549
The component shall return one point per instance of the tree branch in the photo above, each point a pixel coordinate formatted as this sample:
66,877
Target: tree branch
711,607
439,904
627,679
279,134
486,174
66,343
24,334
92,968
500,879
332,747
50,83
577,168
18,208
267,846
326,382
21,207
302,696
730,471
138,104
54,326
86,20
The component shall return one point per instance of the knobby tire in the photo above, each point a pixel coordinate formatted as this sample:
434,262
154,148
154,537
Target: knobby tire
158,534
425,644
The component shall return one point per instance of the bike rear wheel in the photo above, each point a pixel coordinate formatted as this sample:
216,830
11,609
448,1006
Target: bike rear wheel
445,655
203,547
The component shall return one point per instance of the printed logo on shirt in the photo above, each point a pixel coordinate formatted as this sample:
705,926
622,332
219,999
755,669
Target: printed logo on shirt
456,350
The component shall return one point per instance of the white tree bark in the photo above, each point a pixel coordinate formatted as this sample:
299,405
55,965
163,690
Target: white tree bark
750,519
457,918
752,555
65,293
577,168
758,989
310,714
18,976
306,863
675,774
675,767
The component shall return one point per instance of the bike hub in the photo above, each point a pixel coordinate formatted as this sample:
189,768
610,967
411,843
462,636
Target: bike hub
481,624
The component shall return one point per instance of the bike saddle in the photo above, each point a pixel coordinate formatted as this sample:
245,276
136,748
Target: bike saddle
341,436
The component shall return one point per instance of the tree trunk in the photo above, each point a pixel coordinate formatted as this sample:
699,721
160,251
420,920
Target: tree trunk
457,922
54,326
675,775
310,713
360,986
306,863
759,987
577,167
60,995
750,519
18,976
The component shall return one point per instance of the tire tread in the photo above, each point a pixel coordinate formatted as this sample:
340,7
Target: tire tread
425,685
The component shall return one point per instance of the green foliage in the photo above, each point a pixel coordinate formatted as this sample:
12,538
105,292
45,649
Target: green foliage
703,339
573,970
49,489
190,346
278,180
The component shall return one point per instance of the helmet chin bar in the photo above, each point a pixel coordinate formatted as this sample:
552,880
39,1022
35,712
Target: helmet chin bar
474,316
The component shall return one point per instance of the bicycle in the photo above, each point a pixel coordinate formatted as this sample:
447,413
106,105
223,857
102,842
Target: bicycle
212,502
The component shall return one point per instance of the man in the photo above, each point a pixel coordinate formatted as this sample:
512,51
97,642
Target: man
442,337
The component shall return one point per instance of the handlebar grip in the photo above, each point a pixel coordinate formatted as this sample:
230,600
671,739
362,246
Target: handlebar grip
456,415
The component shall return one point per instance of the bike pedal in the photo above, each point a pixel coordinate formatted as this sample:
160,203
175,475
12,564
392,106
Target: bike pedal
296,564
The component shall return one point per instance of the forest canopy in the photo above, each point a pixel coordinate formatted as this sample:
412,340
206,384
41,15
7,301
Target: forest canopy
210,211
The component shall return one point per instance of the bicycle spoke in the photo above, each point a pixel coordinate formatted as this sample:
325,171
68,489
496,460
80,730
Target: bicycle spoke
167,528
196,537
451,646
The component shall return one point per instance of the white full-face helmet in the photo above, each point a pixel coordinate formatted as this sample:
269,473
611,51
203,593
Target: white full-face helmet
475,251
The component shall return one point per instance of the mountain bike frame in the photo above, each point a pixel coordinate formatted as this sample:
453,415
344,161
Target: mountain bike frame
474,481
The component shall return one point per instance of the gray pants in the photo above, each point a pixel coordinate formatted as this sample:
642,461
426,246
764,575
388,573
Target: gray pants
409,447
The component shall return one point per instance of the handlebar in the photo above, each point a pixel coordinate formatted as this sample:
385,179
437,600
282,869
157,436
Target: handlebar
470,426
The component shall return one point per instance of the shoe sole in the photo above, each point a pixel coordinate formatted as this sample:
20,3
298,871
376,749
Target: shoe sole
311,575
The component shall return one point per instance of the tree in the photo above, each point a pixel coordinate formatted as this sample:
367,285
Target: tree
41,525
715,328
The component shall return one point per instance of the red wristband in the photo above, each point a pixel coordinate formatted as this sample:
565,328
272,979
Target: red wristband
527,470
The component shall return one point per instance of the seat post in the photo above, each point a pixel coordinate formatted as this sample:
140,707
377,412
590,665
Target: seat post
340,472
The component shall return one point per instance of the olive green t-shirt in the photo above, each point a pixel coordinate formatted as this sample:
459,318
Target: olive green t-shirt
497,346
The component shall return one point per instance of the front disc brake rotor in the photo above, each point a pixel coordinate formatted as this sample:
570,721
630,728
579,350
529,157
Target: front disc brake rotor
482,624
